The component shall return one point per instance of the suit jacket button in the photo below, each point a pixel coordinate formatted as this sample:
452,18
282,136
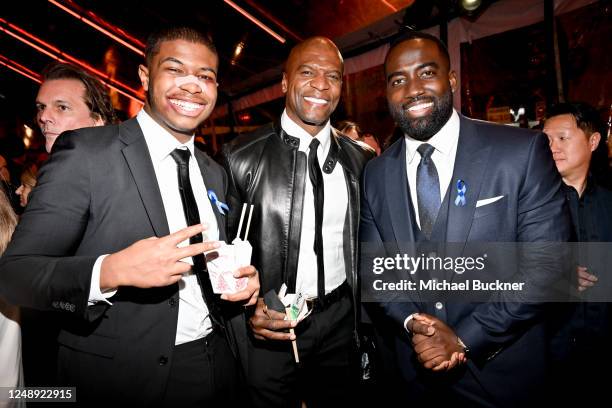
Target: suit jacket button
172,302
163,360
439,305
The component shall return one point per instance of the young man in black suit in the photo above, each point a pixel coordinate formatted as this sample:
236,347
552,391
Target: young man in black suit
113,239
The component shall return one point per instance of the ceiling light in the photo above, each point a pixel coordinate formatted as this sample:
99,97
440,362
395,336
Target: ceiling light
470,5
28,131
239,48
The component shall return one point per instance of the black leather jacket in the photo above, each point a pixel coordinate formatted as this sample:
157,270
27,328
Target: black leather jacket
267,170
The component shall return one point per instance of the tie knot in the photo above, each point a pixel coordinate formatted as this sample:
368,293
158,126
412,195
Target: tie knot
425,150
181,156
314,144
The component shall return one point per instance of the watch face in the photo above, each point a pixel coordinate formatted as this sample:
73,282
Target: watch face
462,344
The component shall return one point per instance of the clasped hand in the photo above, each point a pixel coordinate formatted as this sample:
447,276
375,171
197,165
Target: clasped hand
585,279
436,345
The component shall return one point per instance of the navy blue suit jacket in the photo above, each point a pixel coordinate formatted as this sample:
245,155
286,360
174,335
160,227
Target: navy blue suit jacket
506,339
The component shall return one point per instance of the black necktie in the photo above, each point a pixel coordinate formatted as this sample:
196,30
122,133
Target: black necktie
192,216
316,178
428,189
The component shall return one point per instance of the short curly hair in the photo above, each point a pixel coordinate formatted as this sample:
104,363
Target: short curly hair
96,97
176,32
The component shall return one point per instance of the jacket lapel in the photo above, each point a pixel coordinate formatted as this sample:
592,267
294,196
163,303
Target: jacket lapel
136,154
397,195
213,180
473,152
397,192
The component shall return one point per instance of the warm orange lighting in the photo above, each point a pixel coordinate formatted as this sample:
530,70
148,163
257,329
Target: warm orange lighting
57,54
27,34
20,69
109,34
255,21
101,22
244,117
238,49
275,20
27,138
28,131
391,6
36,47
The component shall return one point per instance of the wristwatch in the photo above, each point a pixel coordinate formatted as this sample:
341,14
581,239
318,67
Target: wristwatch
466,349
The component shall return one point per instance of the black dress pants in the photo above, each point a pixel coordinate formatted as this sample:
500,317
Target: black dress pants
204,373
325,375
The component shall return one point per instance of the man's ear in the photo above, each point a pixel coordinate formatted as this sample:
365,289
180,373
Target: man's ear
143,74
594,140
452,79
284,83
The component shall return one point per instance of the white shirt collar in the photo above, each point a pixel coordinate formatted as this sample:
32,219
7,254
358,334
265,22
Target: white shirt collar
443,141
159,141
295,130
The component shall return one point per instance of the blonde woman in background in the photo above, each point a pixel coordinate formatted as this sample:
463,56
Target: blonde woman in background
28,182
11,373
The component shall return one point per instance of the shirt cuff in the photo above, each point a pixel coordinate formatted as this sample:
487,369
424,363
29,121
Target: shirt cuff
95,294
409,318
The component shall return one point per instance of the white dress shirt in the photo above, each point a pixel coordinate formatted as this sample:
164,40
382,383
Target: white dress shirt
445,145
193,317
334,213
11,371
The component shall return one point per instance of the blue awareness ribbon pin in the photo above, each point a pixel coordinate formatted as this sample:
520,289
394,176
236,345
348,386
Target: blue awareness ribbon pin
221,207
461,189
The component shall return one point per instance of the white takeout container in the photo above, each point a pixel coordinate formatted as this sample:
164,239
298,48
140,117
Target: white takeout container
230,258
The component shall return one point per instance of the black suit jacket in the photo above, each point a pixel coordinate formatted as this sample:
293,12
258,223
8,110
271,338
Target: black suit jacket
506,340
97,195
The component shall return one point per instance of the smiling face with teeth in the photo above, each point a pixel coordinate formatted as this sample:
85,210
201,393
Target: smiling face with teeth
312,82
419,87
180,106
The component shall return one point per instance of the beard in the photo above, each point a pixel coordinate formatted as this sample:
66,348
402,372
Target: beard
424,128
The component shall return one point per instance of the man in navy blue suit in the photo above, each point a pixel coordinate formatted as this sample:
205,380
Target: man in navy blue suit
456,180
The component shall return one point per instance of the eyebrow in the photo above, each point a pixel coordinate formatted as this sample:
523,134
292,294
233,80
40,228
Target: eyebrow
172,59
55,101
313,67
305,66
431,64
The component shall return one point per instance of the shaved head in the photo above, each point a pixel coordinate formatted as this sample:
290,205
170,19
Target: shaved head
312,42
312,83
